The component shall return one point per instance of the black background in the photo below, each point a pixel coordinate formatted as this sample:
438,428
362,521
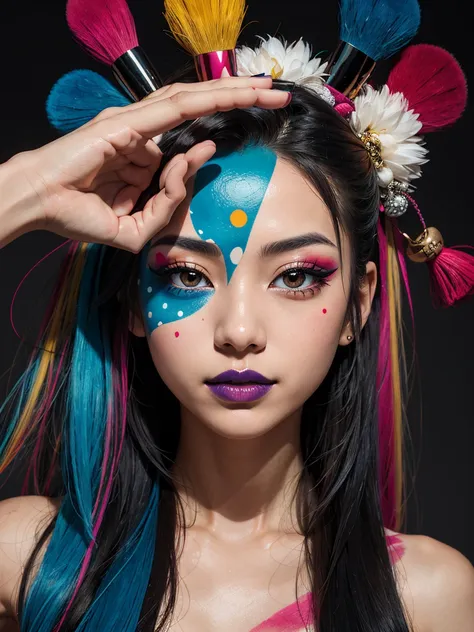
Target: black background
37,48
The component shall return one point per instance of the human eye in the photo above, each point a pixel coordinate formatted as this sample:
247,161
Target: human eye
182,277
303,278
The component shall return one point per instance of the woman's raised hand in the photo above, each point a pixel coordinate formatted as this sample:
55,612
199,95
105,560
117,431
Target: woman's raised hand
84,185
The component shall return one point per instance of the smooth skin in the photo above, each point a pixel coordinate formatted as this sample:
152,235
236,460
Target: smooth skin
83,186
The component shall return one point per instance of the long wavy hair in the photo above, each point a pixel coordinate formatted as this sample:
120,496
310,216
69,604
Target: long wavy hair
101,429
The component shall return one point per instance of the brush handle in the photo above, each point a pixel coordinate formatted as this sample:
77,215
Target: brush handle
136,74
349,68
216,64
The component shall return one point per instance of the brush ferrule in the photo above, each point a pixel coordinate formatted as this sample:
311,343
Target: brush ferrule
349,68
216,64
136,74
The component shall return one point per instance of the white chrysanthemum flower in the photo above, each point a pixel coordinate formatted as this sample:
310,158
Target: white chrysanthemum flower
291,62
386,114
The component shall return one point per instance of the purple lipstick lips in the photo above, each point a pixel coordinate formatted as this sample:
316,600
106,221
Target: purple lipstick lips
240,386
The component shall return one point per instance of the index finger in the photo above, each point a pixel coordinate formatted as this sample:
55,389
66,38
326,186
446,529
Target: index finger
169,90
161,116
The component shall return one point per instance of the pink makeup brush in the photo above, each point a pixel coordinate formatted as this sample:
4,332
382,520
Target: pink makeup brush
106,29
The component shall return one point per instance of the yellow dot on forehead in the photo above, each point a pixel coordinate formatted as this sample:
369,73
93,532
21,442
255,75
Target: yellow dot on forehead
238,218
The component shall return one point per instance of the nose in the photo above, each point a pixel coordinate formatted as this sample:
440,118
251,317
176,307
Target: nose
240,327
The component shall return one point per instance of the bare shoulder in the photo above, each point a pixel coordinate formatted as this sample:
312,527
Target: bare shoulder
437,584
22,521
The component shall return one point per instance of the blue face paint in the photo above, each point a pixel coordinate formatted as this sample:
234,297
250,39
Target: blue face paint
228,193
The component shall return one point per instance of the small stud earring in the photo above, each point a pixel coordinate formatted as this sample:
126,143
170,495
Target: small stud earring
349,337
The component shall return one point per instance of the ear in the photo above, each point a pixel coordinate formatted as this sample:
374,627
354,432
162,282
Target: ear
135,325
366,296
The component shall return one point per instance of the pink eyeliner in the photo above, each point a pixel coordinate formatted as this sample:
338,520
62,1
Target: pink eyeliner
326,263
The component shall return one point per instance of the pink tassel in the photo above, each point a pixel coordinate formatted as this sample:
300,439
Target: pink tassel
434,84
451,269
451,276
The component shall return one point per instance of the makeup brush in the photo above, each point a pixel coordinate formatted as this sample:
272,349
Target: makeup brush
78,96
371,30
433,83
208,29
106,29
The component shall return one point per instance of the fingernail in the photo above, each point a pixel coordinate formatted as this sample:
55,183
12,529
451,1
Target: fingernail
207,144
290,96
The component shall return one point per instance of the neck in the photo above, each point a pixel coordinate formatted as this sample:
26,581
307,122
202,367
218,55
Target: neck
239,489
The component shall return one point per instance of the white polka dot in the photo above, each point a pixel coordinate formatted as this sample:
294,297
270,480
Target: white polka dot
138,282
200,231
236,255
211,241
165,305
150,314
180,313
149,289
160,323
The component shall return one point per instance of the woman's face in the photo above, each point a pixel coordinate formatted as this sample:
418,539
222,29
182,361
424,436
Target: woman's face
246,276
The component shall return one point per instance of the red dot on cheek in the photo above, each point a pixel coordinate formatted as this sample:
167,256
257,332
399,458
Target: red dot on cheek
176,334
325,311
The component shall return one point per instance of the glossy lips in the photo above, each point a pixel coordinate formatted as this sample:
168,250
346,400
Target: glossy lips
240,386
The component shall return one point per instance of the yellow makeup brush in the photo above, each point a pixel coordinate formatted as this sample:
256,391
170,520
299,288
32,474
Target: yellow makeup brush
208,29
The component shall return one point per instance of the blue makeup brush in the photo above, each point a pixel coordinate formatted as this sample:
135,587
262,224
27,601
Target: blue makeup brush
78,96
370,30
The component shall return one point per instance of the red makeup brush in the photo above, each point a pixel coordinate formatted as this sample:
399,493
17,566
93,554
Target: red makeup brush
106,29
434,84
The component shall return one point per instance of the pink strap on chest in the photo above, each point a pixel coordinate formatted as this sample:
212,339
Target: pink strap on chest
296,616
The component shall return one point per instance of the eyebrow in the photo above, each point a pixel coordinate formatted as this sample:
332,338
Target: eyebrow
189,243
273,248
292,243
